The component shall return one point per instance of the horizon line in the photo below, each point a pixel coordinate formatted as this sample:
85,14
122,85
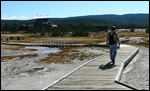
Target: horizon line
73,16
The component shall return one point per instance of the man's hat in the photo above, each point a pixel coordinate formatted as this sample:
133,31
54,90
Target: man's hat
113,28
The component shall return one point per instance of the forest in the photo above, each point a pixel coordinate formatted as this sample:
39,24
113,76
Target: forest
77,26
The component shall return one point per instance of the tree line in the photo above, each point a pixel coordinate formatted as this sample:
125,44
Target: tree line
65,29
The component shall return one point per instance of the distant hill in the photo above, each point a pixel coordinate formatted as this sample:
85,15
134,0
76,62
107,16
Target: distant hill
138,19
109,19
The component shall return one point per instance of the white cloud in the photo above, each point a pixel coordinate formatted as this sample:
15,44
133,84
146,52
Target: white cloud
9,17
24,18
43,16
5,17
13,17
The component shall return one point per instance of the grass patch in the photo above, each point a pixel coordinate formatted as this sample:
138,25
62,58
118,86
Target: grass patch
30,38
61,57
57,58
67,55
31,49
68,49
11,47
144,44
19,56
133,34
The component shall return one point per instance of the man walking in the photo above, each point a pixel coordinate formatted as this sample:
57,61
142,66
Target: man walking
112,41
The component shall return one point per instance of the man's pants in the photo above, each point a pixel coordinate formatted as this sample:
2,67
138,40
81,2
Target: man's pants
113,51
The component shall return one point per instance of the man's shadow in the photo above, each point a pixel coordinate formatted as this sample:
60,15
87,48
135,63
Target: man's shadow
109,65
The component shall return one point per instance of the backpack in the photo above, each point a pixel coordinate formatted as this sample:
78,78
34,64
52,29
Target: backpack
111,39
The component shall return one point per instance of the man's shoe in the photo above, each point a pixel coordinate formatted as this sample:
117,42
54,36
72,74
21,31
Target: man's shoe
113,61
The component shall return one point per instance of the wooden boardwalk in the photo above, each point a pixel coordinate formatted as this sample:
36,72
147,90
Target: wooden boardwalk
95,75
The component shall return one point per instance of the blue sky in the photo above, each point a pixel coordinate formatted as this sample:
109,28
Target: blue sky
24,10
